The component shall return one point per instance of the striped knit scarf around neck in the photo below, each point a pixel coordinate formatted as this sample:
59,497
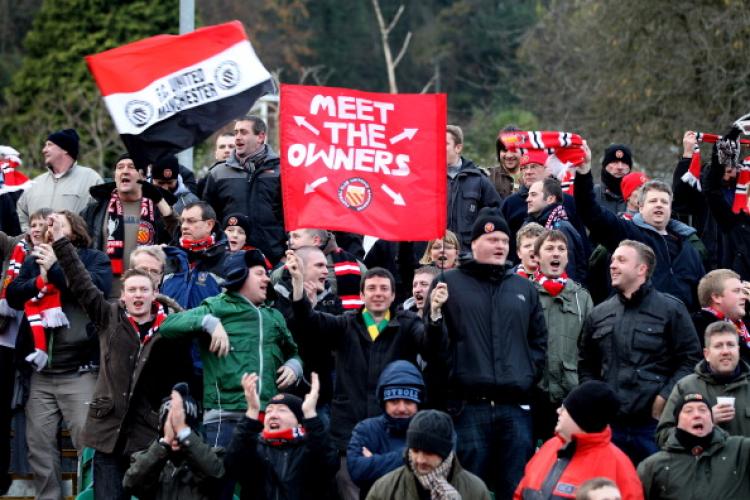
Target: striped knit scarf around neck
738,323
159,316
116,229
553,285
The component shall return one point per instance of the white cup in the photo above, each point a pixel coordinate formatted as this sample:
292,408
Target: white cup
726,400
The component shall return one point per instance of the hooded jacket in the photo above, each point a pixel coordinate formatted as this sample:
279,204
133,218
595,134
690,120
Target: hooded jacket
496,330
678,275
383,435
588,455
720,471
252,188
190,284
468,193
703,381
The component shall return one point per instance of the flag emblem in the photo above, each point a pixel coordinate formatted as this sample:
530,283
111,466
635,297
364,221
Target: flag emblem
355,193
227,75
139,112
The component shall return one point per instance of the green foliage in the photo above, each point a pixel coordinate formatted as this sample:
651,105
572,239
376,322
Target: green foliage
53,82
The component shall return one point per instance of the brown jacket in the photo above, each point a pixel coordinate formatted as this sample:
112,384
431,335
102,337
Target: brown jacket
121,411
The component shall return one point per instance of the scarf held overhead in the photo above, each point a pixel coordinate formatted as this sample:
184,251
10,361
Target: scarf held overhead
693,175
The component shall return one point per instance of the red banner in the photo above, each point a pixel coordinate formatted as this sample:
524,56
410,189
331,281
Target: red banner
364,162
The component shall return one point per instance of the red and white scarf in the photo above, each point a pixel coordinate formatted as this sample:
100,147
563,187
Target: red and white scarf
565,151
198,245
693,175
159,316
44,310
740,191
279,438
116,229
557,214
521,271
738,323
553,285
17,257
10,178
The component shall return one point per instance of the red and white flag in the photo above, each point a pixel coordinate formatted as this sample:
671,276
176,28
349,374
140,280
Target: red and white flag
169,92
364,162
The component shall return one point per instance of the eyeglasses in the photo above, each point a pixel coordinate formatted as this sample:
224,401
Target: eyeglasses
152,272
190,222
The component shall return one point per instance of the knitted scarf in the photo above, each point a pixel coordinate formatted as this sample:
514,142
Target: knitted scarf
10,178
44,310
348,275
740,192
198,245
436,481
738,323
17,257
159,316
280,438
566,151
116,229
522,272
693,175
373,328
557,214
553,285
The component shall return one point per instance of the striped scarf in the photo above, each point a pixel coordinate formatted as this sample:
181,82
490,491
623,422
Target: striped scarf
738,324
557,214
436,481
373,328
553,285
521,271
348,275
282,437
159,316
693,175
44,310
15,262
116,229
740,193
565,151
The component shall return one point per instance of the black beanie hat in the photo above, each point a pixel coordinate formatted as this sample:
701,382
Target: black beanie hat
188,403
617,152
239,220
431,431
166,169
690,398
67,139
489,220
592,405
237,265
293,402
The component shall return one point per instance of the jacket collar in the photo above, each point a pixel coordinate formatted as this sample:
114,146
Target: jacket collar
489,272
718,441
638,296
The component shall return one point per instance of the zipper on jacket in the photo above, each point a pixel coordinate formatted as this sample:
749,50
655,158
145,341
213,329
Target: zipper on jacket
260,349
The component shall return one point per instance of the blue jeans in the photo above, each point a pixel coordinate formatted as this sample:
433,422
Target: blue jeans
637,442
495,442
109,471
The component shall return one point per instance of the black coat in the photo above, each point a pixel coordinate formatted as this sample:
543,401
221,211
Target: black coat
640,346
360,360
678,274
496,330
256,192
297,470
468,192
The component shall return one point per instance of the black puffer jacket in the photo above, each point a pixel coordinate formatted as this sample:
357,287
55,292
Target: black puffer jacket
497,333
360,360
253,189
640,346
76,345
469,192
296,470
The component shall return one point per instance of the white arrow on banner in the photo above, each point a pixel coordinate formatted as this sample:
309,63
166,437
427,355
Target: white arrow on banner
397,198
309,188
302,122
408,133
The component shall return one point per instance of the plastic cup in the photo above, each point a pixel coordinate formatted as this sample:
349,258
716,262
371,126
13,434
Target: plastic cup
725,400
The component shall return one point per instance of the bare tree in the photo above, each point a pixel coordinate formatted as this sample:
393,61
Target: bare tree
390,63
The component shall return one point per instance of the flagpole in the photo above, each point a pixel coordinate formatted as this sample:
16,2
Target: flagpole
187,24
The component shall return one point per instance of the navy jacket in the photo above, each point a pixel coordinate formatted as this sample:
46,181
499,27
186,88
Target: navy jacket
678,276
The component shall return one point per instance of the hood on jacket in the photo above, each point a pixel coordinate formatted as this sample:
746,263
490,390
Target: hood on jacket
674,226
399,373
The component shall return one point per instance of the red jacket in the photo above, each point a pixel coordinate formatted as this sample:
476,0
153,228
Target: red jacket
594,456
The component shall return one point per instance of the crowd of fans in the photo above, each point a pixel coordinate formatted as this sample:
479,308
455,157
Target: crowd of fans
564,339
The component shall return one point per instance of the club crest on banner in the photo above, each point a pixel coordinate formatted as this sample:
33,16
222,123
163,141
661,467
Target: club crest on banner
139,112
355,193
227,75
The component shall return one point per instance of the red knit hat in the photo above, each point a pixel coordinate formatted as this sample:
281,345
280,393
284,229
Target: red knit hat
631,182
536,156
